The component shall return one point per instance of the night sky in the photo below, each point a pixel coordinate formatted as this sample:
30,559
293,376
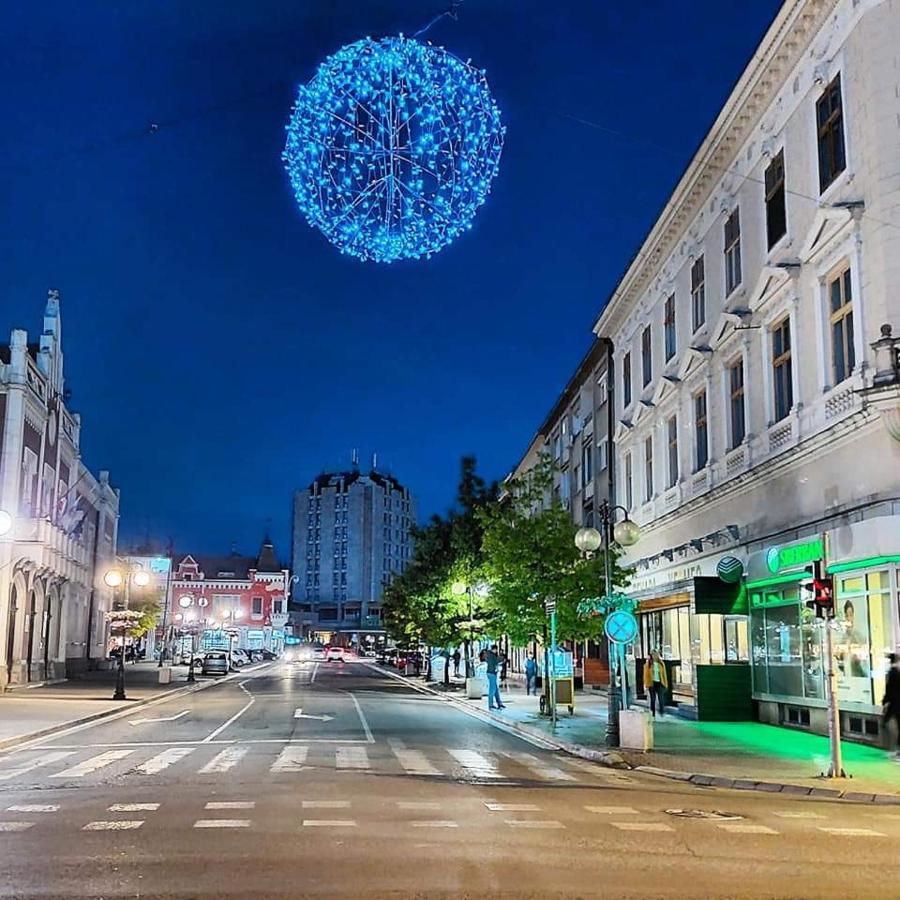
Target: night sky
220,351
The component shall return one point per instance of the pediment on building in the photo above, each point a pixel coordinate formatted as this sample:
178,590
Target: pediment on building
771,282
623,428
830,223
642,409
693,359
665,387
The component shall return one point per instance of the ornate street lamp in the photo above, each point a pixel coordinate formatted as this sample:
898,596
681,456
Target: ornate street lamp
123,576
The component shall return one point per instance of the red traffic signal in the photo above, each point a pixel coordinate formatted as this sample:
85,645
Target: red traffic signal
822,589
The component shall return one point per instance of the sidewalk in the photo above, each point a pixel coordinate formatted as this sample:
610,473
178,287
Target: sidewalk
747,752
27,712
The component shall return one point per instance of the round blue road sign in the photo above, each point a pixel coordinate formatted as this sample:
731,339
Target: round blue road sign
621,627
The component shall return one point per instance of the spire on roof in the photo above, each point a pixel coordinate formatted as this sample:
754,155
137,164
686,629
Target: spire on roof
267,561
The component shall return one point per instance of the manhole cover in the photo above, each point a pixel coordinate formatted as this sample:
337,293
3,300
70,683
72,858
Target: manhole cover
704,814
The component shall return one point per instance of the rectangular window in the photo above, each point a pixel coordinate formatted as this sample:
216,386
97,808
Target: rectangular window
587,464
830,127
629,483
781,365
626,381
701,430
256,609
648,469
733,251
672,429
736,407
776,210
698,294
602,458
647,355
840,308
277,607
669,321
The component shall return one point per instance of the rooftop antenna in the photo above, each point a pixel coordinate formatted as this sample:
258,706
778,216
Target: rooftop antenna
374,462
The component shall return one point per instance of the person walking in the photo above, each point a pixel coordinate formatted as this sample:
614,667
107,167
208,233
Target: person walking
530,675
656,681
456,658
891,702
492,659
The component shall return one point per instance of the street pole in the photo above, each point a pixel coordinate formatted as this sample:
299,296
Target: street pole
612,695
834,713
165,637
553,665
119,693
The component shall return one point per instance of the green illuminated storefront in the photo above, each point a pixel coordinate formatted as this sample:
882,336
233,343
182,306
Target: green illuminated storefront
786,639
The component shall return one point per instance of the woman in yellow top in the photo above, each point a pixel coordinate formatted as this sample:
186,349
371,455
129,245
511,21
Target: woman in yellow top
656,681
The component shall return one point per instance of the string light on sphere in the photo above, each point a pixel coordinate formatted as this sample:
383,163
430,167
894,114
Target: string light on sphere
392,148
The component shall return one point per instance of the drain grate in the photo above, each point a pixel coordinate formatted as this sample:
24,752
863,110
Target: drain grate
704,814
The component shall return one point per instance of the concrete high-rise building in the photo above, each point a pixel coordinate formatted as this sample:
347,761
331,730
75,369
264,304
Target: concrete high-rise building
352,533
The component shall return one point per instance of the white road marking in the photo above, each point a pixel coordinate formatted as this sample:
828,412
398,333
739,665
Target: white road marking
534,823
291,759
613,810
133,807
314,673
45,759
184,712
540,767
799,815
396,744
738,828
641,826
440,824
230,804
418,804
222,823
853,832
115,825
163,760
351,758
326,804
224,760
34,808
235,717
299,714
362,719
92,764
476,763
414,762
15,826
329,823
511,807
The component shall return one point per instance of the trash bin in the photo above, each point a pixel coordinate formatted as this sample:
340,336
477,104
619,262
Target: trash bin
475,688
165,675
635,730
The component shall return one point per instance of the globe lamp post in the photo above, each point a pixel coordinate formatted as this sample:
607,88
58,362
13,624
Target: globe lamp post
122,577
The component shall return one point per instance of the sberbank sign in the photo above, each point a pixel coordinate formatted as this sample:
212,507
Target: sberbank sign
793,556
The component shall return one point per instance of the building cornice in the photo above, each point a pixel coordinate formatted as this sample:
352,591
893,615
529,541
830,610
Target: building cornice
781,49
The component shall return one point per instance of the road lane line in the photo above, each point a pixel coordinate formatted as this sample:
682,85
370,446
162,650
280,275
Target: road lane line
231,804
314,673
162,761
46,759
475,763
222,823
445,823
224,760
799,815
534,823
538,766
329,823
326,804
613,810
15,826
418,804
738,828
92,764
34,808
511,807
235,717
415,762
362,719
853,832
291,759
641,826
133,807
351,758
114,825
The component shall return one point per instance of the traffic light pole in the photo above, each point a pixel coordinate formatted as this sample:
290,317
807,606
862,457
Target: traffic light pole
834,713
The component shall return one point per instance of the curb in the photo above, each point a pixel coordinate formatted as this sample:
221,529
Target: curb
114,713
614,760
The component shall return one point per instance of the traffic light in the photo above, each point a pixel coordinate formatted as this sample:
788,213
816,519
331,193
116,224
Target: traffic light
822,589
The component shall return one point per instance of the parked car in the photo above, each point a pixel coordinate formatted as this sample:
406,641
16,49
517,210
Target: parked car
215,663
334,654
388,656
319,653
240,657
267,654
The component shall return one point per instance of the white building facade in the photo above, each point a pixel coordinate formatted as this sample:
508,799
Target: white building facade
61,520
743,361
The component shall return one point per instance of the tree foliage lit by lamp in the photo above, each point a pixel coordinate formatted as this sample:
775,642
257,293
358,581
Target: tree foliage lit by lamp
392,148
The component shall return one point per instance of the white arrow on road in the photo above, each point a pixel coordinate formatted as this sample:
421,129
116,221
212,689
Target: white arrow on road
184,712
299,714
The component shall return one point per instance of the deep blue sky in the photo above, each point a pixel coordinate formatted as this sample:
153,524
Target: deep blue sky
220,351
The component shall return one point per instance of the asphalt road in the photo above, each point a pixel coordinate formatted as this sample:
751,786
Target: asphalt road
337,780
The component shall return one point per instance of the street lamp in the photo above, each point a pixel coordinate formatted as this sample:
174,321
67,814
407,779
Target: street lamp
588,540
123,577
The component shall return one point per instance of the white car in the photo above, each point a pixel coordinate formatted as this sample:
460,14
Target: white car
240,657
334,654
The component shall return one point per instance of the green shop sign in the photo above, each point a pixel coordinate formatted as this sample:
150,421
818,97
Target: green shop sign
792,556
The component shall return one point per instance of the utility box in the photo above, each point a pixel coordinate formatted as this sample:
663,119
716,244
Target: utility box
635,730
165,675
475,688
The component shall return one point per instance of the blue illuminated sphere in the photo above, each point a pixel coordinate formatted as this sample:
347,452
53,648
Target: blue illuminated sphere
392,147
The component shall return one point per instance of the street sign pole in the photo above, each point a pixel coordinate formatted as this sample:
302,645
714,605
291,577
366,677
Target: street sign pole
551,608
831,686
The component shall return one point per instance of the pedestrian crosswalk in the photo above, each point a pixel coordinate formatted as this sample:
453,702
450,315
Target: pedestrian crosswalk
276,759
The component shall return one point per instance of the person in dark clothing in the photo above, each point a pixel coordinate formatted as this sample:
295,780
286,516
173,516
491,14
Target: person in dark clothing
494,659
530,674
456,658
891,699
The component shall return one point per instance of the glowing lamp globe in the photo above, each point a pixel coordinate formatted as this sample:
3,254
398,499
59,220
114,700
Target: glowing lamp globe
141,579
392,148
458,588
587,540
113,578
626,533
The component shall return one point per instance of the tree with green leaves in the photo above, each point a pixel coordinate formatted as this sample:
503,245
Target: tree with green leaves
529,556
